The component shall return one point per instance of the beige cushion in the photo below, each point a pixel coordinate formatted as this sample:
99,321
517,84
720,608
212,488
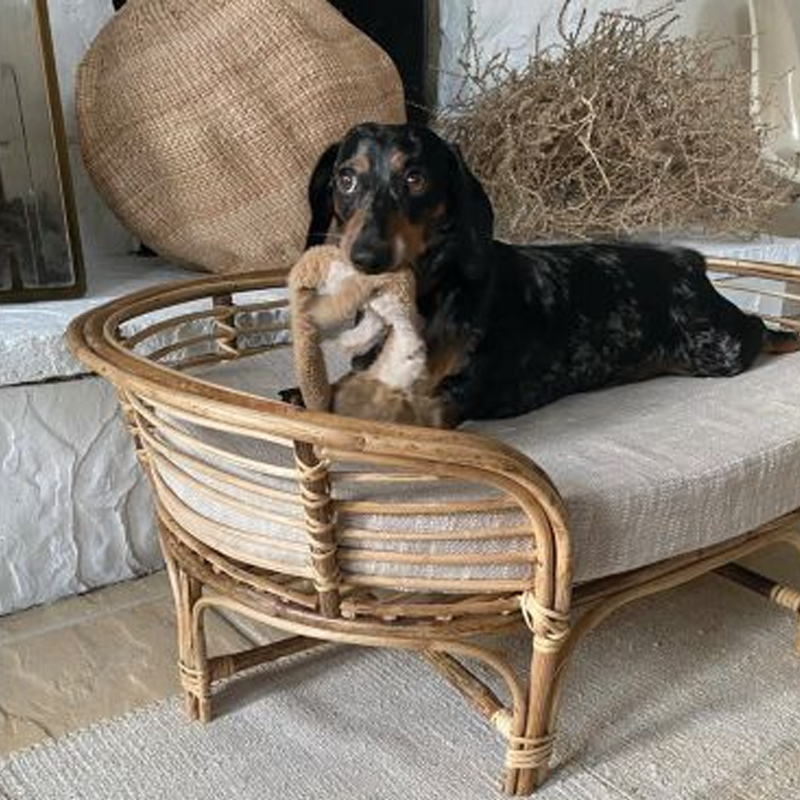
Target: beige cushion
648,471
667,466
262,521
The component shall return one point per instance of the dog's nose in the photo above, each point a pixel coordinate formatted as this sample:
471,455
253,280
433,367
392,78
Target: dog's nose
371,257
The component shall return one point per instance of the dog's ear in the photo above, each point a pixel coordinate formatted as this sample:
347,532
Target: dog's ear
474,217
319,197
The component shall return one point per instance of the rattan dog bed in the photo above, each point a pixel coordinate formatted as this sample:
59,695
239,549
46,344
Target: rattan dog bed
337,529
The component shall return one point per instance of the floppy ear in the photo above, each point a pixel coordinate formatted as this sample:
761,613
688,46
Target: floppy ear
319,197
474,218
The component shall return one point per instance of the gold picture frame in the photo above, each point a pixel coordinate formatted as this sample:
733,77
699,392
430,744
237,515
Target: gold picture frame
40,250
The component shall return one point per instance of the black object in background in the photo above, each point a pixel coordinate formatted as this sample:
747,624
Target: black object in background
405,30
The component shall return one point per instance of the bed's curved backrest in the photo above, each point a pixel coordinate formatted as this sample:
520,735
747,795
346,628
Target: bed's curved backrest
323,512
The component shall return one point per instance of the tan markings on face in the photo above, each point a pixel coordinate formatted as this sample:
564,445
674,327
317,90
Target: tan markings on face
397,160
350,229
408,239
359,162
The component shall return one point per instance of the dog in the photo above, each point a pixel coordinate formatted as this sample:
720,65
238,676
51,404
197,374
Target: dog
510,328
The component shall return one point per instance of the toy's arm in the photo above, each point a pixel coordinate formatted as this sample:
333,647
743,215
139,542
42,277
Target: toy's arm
365,334
304,279
325,290
394,297
332,289
402,361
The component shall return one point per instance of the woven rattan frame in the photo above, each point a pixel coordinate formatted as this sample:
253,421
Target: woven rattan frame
322,601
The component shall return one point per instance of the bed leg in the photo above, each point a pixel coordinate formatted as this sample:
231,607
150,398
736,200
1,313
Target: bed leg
528,755
192,660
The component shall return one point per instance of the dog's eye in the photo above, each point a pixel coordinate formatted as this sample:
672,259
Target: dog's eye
347,181
416,181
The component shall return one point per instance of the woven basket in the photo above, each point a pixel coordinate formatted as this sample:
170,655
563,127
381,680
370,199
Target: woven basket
200,121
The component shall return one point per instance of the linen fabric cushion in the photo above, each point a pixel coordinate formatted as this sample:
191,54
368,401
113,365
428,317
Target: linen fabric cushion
648,471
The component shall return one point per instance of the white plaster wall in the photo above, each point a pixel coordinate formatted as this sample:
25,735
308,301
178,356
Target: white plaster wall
76,508
75,23
512,24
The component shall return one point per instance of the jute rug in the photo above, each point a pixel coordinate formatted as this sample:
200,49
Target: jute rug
694,694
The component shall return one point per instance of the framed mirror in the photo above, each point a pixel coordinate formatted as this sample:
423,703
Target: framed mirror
40,254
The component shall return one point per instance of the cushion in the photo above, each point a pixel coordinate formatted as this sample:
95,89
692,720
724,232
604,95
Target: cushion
647,470
200,122
667,466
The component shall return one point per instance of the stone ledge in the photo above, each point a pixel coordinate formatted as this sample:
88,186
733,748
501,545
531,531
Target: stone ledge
33,349
32,344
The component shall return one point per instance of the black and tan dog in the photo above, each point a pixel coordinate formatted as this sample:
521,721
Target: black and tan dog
510,328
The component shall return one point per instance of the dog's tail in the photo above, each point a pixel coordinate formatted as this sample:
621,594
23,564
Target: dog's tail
780,341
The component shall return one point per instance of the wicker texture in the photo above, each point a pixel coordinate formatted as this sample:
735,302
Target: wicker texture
225,462
199,122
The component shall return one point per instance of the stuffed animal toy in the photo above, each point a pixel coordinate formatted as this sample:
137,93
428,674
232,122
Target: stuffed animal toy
326,292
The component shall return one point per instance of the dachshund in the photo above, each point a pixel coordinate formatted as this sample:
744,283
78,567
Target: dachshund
510,328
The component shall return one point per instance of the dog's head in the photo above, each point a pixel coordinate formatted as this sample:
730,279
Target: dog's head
399,194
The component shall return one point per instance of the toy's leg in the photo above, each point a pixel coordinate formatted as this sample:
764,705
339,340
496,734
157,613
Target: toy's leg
363,335
402,360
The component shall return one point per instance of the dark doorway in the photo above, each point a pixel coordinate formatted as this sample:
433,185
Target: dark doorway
408,31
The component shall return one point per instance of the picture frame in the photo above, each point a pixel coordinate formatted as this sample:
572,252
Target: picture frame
40,250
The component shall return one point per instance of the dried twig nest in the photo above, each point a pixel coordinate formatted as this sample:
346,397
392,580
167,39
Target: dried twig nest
618,129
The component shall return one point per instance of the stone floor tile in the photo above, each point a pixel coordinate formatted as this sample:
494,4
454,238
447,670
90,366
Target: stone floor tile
781,562
52,616
59,675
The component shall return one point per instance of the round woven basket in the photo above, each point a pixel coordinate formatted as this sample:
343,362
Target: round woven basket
200,122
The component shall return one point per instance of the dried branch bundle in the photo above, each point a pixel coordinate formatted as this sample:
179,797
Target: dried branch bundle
615,130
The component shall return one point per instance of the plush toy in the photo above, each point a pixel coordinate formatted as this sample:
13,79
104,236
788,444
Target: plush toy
326,291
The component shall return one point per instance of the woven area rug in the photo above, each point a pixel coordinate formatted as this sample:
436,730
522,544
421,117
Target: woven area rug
693,694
